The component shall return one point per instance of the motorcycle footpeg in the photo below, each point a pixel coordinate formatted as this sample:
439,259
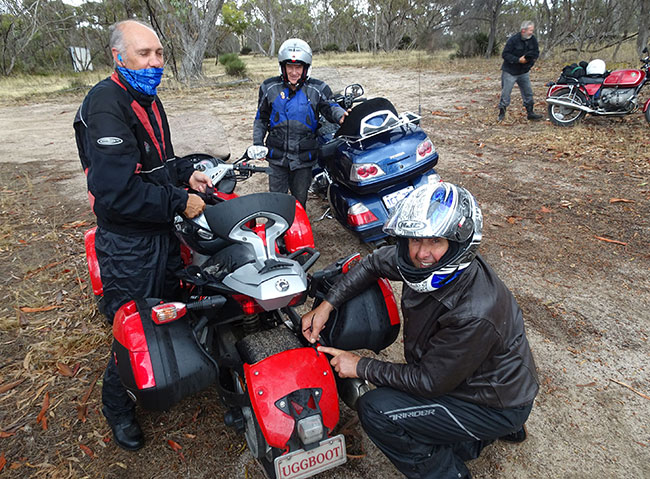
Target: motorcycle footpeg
235,419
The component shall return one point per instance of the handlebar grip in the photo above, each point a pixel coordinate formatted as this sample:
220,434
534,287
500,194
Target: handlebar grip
207,303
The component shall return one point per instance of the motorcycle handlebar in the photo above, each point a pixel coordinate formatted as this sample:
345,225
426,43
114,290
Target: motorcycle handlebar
207,303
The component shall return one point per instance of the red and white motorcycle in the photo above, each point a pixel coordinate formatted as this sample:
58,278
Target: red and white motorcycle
236,328
611,94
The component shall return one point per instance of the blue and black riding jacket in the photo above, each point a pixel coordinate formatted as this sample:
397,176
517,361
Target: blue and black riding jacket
126,152
291,118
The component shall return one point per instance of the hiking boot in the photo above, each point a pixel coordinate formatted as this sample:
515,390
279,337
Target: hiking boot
515,437
532,115
502,114
127,434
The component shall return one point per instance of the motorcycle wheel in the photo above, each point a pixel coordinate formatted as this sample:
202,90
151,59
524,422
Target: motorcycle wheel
647,115
565,116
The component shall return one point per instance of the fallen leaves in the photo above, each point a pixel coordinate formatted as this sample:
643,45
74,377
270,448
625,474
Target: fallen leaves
9,386
607,240
66,370
42,416
177,448
29,309
3,461
82,408
620,200
87,451
33,272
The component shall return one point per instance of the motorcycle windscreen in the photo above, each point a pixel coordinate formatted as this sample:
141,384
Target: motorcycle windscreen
273,381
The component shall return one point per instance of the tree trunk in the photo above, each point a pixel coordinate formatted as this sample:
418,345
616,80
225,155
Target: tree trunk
644,26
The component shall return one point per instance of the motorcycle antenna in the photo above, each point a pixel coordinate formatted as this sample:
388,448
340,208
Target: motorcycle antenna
419,95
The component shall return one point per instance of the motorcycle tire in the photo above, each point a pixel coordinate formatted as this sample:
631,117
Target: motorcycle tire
562,115
647,114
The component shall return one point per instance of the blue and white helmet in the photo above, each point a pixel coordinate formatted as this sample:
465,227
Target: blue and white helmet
441,210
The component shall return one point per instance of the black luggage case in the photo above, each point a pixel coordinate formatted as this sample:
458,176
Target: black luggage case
158,364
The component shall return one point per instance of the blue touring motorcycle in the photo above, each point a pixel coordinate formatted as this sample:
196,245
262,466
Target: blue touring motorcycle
371,162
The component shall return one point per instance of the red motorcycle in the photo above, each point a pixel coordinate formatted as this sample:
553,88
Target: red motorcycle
611,94
247,260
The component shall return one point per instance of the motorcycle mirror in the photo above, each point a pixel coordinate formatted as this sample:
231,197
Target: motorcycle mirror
257,152
353,91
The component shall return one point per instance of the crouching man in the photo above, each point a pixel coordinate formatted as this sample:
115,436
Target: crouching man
469,376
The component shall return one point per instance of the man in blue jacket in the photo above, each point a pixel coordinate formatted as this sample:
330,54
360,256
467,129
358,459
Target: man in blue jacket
135,189
288,109
519,56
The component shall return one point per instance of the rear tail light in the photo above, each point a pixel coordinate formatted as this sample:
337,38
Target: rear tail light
359,215
350,263
365,171
167,312
424,149
250,306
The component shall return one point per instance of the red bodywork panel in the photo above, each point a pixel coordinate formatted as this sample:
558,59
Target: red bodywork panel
299,235
624,78
93,264
389,297
128,331
281,374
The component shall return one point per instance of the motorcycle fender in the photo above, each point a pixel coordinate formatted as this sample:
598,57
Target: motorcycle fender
93,264
646,105
553,88
299,235
275,377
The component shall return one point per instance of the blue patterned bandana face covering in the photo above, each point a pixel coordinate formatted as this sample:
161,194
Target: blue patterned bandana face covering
145,80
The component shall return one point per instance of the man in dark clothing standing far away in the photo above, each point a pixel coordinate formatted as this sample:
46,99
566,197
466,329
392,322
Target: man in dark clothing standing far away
519,56
134,185
469,376
288,110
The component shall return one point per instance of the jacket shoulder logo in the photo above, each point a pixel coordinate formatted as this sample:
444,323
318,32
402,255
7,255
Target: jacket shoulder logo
109,140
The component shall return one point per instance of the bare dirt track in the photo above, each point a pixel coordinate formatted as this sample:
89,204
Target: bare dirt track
567,217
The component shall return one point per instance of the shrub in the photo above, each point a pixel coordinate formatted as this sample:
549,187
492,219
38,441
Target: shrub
331,47
227,58
473,45
245,50
235,67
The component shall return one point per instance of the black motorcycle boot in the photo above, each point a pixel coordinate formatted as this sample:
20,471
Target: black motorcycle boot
502,113
532,115
127,433
516,437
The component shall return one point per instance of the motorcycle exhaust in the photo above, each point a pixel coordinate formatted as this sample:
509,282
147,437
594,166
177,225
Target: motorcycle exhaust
569,104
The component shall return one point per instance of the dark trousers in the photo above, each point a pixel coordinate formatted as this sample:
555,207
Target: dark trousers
432,438
132,267
282,179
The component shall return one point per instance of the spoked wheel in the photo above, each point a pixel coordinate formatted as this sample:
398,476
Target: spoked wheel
563,115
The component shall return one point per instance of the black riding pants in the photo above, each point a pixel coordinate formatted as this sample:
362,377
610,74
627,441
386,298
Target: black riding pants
132,267
282,179
432,438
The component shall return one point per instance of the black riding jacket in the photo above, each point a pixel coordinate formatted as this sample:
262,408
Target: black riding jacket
291,118
126,152
515,48
465,340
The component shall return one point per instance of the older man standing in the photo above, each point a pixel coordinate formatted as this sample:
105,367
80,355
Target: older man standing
519,56
135,184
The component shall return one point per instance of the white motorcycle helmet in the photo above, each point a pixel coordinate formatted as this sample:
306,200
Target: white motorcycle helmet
441,210
295,50
596,67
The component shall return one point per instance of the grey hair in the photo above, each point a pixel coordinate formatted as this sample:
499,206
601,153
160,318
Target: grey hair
527,23
117,34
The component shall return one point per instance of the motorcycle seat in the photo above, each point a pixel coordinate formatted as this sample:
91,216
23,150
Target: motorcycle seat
588,80
223,217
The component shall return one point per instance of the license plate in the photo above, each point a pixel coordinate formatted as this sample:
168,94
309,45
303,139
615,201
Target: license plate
298,464
391,199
